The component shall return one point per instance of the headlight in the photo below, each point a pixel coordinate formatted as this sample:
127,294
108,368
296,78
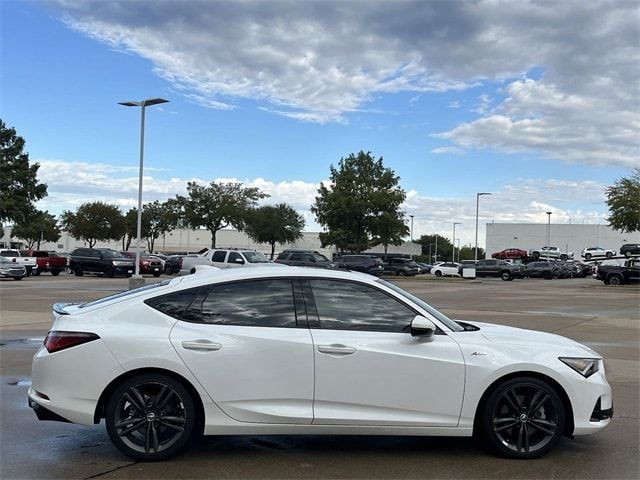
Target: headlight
584,366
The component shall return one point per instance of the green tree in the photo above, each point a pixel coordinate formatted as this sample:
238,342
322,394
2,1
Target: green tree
445,247
130,227
19,187
467,252
94,222
361,207
274,224
41,226
218,205
157,219
623,200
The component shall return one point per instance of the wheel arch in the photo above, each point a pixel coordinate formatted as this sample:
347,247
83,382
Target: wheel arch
106,393
566,403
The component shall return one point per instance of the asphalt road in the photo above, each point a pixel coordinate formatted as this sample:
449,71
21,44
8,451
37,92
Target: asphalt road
605,318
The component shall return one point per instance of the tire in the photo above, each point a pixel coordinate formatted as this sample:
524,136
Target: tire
167,270
156,274
77,271
536,255
36,273
548,276
108,272
563,257
614,280
193,270
401,273
522,418
55,273
438,273
587,256
627,254
18,278
506,276
608,255
135,402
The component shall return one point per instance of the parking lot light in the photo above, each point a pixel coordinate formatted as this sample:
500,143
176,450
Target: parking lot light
478,195
548,233
453,240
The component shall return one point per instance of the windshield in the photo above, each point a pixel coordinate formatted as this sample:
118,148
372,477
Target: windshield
126,293
318,257
255,257
424,305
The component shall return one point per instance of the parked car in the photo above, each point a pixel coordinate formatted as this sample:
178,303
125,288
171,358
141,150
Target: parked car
445,269
304,258
629,249
9,269
620,275
223,258
15,256
540,270
244,359
104,261
509,253
499,269
424,267
149,264
47,262
550,252
172,263
360,263
596,252
401,267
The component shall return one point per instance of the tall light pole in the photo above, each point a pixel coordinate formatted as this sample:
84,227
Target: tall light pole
436,255
453,240
458,241
478,195
548,233
411,240
143,105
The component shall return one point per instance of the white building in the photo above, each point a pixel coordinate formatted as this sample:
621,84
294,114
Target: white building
568,237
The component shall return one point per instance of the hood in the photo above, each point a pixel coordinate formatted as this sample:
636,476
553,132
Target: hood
532,339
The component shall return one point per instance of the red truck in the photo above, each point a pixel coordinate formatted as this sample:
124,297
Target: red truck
47,261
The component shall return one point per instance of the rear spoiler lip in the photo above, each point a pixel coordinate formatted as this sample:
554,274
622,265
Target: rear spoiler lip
60,308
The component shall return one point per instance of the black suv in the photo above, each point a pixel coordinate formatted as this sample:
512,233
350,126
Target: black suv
629,249
402,267
498,268
106,261
540,270
360,263
303,258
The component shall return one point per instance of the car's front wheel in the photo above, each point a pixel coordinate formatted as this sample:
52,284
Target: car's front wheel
438,273
150,417
614,280
587,256
627,254
506,276
523,418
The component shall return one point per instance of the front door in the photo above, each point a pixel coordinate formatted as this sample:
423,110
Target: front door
369,369
243,344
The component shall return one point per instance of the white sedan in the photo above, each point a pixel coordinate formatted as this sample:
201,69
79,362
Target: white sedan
446,269
288,350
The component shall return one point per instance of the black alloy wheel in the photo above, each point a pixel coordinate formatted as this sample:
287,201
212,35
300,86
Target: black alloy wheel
523,418
77,271
438,273
506,276
615,280
627,254
608,255
108,272
150,417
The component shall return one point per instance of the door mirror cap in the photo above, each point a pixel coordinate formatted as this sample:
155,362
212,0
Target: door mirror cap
239,260
422,327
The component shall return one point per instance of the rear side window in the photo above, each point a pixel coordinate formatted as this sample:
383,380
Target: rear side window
258,303
218,256
177,304
298,257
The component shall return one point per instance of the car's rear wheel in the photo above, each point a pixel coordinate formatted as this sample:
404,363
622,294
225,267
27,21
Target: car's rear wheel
150,417
18,278
55,273
438,273
77,271
108,272
587,256
627,254
506,276
37,272
614,280
401,273
609,255
523,418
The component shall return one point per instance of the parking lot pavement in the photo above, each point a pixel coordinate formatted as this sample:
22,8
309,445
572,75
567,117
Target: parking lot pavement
605,318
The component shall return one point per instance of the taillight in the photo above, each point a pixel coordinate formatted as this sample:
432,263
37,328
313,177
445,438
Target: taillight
57,341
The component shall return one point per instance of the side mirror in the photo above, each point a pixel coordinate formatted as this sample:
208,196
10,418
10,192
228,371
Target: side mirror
422,327
239,260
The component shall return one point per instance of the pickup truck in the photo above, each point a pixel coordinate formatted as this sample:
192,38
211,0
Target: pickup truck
499,269
46,261
550,252
618,274
14,256
223,258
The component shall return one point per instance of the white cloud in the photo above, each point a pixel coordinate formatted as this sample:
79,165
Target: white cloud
523,201
448,151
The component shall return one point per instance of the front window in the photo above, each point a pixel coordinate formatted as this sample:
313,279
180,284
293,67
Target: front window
112,254
424,305
255,257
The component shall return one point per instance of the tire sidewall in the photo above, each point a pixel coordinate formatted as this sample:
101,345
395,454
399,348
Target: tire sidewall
486,421
615,280
189,426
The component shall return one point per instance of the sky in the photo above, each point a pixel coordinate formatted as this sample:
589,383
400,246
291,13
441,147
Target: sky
534,102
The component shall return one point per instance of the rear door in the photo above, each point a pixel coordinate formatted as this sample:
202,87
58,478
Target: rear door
218,258
244,343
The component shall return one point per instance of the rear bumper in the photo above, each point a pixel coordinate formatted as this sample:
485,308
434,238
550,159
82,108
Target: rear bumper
44,414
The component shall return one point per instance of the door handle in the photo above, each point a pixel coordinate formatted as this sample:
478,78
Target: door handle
336,349
202,345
